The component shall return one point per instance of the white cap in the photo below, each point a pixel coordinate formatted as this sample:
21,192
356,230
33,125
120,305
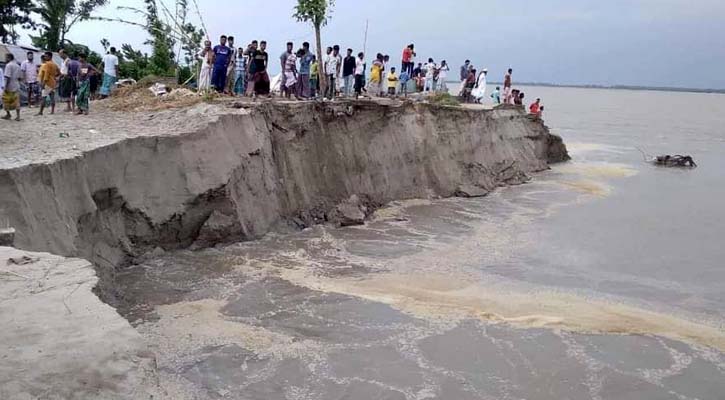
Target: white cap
485,70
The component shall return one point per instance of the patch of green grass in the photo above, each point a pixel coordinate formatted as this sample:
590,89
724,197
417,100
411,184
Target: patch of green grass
444,99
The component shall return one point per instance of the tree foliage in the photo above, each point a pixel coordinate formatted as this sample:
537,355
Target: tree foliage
316,12
15,13
162,41
58,17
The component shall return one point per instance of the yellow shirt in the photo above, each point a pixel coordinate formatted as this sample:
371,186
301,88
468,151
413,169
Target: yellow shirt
392,80
376,72
48,72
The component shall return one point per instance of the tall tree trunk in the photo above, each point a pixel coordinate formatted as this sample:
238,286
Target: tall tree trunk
320,65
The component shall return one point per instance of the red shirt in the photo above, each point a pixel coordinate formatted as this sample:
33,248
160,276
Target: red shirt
534,108
407,53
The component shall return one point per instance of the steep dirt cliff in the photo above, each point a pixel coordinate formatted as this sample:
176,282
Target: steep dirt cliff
236,173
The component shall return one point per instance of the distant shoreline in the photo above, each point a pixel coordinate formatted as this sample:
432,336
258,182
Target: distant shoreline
620,87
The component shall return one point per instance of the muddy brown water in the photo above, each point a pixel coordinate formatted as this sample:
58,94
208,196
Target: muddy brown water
601,279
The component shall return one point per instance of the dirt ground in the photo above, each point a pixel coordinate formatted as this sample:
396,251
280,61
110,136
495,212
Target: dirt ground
42,139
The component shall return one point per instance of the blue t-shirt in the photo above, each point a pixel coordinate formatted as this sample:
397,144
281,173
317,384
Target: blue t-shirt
305,62
222,54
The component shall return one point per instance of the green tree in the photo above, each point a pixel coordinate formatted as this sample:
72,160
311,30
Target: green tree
133,63
162,42
12,14
58,17
316,12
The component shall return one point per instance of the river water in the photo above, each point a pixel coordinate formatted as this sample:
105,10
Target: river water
600,279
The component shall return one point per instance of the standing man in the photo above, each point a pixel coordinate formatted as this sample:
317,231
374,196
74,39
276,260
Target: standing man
332,71
203,85
407,55
11,99
442,76
240,73
411,62
110,72
250,51
259,61
29,75
464,75
507,87
284,89
47,76
430,70
348,72
68,75
305,61
359,74
222,55
314,77
230,80
479,91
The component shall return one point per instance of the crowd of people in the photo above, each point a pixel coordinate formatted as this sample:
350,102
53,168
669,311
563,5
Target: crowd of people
244,72
71,82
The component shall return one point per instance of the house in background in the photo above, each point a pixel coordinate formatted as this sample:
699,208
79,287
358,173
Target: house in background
21,53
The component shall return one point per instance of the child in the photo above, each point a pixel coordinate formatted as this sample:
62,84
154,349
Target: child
404,79
392,82
496,96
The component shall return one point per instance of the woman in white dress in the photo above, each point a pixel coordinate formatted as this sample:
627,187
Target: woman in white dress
207,60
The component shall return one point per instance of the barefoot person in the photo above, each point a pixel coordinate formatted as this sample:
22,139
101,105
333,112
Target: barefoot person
303,86
83,97
507,95
207,60
479,92
110,73
392,82
290,76
48,78
11,98
240,73
222,54
29,74
231,67
68,77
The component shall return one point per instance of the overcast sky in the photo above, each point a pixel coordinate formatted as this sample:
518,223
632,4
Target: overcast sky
632,42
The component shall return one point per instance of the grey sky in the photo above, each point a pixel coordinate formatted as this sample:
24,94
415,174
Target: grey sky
632,42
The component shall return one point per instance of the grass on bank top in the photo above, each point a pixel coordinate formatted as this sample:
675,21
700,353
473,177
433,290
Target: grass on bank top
444,99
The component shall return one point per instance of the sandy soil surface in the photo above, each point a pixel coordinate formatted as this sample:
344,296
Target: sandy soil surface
59,340
42,139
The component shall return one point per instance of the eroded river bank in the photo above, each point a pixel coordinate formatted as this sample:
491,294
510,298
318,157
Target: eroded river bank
550,289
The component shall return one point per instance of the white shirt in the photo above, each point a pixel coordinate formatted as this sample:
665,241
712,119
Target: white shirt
429,70
443,73
359,66
64,66
29,71
12,71
110,62
331,64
